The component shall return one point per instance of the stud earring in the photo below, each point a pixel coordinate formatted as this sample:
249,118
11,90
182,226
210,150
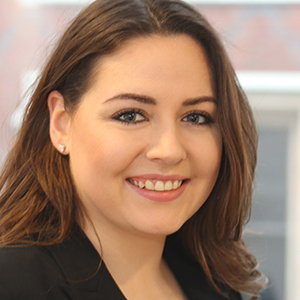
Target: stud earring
61,148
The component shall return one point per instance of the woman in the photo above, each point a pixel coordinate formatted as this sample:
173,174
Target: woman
137,130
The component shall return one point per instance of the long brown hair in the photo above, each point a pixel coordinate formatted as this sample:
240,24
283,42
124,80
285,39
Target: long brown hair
37,193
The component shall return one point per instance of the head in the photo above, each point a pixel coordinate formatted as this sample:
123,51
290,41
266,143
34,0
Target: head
102,29
99,31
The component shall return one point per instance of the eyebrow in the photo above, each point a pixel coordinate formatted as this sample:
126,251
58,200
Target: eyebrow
136,97
149,100
194,101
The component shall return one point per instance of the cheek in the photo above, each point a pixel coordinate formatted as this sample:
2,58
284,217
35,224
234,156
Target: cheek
98,151
212,160
208,155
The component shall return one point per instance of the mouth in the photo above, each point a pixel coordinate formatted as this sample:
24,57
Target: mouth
159,188
157,185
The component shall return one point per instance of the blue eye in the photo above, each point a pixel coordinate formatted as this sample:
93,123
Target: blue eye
198,118
129,116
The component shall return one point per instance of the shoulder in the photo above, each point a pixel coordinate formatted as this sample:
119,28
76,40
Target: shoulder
26,271
68,270
21,257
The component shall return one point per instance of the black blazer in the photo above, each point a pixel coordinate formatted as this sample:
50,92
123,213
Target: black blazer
68,271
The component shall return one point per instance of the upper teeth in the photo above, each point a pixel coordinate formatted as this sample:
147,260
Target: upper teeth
158,185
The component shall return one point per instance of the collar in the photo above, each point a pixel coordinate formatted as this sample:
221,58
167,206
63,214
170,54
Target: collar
82,267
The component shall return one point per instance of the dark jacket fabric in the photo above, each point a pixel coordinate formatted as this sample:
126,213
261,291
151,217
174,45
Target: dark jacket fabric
69,271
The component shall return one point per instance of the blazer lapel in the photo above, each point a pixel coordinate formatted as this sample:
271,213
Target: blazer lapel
190,274
84,274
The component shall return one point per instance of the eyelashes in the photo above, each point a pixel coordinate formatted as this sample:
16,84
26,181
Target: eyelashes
198,118
133,116
130,116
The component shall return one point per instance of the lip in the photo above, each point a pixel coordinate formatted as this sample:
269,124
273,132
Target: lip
160,196
159,177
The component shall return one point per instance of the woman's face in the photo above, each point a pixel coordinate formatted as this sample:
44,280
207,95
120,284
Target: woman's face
144,144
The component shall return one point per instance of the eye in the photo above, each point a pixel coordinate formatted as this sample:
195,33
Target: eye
129,116
198,118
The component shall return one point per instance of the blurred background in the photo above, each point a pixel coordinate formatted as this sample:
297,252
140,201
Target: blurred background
263,40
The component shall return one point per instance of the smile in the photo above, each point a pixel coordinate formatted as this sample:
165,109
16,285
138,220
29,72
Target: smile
157,185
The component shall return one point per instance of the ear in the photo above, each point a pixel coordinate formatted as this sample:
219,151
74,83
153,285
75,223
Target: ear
59,122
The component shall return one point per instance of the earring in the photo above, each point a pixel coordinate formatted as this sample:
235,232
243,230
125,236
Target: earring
61,148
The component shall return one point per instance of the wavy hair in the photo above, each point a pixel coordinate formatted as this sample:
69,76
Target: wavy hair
38,196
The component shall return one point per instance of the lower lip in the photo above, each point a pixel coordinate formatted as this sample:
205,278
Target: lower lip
156,196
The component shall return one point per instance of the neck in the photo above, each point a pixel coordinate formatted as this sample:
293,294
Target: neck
135,262
128,255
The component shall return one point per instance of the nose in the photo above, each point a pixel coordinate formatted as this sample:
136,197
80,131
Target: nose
166,146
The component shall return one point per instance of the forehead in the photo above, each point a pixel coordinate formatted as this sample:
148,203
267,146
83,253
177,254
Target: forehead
164,48
151,63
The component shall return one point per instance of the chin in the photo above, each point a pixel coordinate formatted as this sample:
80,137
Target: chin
161,230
